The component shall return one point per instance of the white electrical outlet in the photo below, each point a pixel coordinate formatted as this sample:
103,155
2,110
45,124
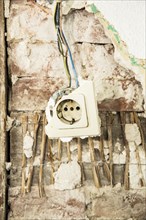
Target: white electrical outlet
74,114
70,112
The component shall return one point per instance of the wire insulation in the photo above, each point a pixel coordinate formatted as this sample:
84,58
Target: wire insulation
61,40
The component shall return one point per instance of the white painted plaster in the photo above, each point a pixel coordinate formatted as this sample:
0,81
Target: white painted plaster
128,17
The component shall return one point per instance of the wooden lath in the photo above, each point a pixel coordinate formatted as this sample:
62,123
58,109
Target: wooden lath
3,100
112,126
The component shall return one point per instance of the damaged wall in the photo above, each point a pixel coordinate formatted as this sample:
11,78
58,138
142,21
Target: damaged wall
42,59
36,71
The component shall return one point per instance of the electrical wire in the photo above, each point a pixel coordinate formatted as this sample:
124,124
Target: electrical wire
72,63
61,40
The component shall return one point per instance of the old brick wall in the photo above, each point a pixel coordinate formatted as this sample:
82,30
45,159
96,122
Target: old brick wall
36,72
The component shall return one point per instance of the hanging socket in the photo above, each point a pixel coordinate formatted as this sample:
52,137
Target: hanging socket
74,114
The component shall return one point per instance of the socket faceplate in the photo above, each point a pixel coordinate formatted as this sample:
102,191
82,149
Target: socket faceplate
75,114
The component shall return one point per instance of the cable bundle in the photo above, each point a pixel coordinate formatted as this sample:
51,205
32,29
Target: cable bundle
62,43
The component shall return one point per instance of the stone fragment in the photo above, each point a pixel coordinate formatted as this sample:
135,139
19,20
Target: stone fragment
68,176
132,133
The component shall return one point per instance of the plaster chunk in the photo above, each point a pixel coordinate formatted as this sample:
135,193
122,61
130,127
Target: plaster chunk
37,161
142,156
132,146
132,133
27,145
68,176
106,151
119,158
133,159
134,176
86,157
135,172
8,166
118,185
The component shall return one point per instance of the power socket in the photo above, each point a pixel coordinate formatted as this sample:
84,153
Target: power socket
70,112
74,114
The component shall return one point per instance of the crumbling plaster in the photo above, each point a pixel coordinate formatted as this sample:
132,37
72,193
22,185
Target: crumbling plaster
129,47
36,71
33,52
35,63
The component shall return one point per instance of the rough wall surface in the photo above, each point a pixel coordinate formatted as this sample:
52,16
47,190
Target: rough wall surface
36,72
33,53
84,203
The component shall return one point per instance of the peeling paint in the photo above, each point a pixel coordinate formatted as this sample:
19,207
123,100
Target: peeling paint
93,8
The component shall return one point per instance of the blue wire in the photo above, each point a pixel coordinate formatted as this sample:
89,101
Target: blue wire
72,62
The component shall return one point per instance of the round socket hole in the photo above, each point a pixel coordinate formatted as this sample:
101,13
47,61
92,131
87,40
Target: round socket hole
78,108
65,109
69,111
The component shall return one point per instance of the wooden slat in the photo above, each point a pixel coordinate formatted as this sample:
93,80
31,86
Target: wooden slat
3,99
